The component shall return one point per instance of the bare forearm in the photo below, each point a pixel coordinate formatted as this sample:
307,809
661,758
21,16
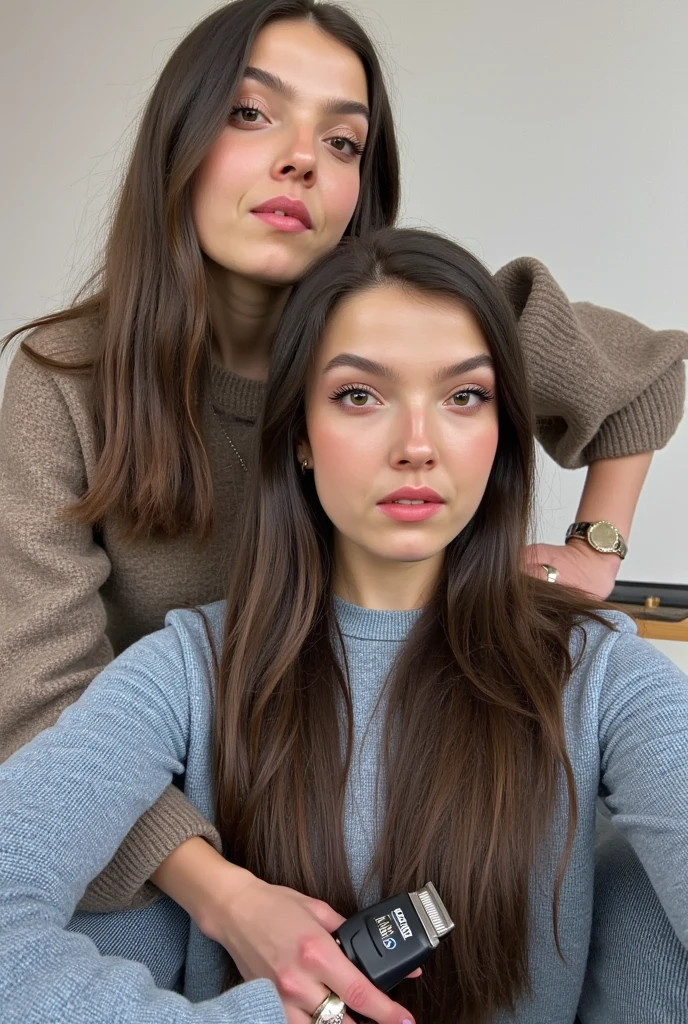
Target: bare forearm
272,932
200,880
611,491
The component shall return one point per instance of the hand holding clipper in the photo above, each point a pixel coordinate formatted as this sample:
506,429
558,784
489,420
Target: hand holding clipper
392,938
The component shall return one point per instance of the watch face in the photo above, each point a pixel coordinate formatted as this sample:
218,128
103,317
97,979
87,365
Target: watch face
603,536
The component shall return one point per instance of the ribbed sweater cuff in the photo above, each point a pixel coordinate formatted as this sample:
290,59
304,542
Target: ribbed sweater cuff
124,883
644,425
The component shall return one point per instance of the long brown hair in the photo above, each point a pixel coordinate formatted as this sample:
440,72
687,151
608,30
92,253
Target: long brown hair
149,299
476,692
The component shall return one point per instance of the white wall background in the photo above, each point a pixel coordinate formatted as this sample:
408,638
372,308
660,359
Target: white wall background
541,127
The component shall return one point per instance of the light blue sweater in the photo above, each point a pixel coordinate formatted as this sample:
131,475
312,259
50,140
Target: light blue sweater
69,797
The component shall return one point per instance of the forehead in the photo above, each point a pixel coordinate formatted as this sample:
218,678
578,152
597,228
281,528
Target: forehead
398,325
315,64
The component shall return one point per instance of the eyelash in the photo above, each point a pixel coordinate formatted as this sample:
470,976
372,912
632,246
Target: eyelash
483,394
348,389
247,105
357,148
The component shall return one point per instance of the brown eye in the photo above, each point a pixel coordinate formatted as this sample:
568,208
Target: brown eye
347,146
352,397
471,398
246,115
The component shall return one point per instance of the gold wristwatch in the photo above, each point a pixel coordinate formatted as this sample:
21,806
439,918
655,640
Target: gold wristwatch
603,536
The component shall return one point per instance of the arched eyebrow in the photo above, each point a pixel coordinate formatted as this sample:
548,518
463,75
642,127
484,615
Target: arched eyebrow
370,366
332,107
380,370
458,369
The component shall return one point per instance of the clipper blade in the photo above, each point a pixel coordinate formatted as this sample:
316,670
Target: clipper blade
432,913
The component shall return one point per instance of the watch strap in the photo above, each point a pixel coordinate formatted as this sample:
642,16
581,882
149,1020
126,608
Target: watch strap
578,530
582,531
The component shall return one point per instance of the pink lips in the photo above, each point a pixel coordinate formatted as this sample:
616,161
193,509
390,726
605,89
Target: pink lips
431,504
285,214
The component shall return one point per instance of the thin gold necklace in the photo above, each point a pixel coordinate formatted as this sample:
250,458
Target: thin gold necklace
231,443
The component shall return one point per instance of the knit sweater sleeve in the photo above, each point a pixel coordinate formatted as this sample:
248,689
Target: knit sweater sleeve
643,734
604,385
67,800
52,617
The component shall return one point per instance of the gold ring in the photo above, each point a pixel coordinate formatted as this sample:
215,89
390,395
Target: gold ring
330,1011
550,572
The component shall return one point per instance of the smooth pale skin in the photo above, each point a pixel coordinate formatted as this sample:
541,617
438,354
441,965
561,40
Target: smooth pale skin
424,424
299,141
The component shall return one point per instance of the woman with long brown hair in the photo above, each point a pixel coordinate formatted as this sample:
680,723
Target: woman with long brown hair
128,422
385,697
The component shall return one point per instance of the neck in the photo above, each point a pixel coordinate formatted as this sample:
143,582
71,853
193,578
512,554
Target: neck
244,314
381,584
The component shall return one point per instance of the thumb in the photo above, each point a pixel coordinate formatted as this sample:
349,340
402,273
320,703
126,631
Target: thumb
325,915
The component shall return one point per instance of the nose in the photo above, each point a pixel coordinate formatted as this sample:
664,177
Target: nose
414,446
298,159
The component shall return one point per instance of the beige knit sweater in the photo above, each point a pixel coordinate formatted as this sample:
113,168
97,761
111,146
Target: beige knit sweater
72,598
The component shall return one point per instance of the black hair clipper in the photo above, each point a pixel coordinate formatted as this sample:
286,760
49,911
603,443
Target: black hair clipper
390,939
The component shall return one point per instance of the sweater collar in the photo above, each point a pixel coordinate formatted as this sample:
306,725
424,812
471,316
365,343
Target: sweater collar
368,624
238,396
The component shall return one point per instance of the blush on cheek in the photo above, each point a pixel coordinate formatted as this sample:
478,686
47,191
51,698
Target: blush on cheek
339,201
336,457
212,173
477,453
485,449
226,173
344,464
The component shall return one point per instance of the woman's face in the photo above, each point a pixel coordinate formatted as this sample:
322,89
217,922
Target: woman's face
292,145
402,423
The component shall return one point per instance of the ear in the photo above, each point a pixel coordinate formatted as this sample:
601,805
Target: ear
304,453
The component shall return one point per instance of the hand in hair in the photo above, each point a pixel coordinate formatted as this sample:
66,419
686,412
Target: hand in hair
274,932
579,566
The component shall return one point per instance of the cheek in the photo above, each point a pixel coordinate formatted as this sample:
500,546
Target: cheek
471,459
225,174
340,190
345,462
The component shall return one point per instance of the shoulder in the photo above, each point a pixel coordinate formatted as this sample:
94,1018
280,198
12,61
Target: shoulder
199,633
44,407
172,669
593,644
599,635
70,341
615,663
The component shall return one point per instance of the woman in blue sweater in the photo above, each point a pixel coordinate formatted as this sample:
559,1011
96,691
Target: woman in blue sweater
384,698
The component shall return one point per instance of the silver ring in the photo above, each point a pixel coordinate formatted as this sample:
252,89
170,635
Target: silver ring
551,572
330,1011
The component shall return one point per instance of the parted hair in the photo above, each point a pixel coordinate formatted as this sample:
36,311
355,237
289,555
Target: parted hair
476,692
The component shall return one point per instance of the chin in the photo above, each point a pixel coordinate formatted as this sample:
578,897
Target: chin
276,277
408,554
280,266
